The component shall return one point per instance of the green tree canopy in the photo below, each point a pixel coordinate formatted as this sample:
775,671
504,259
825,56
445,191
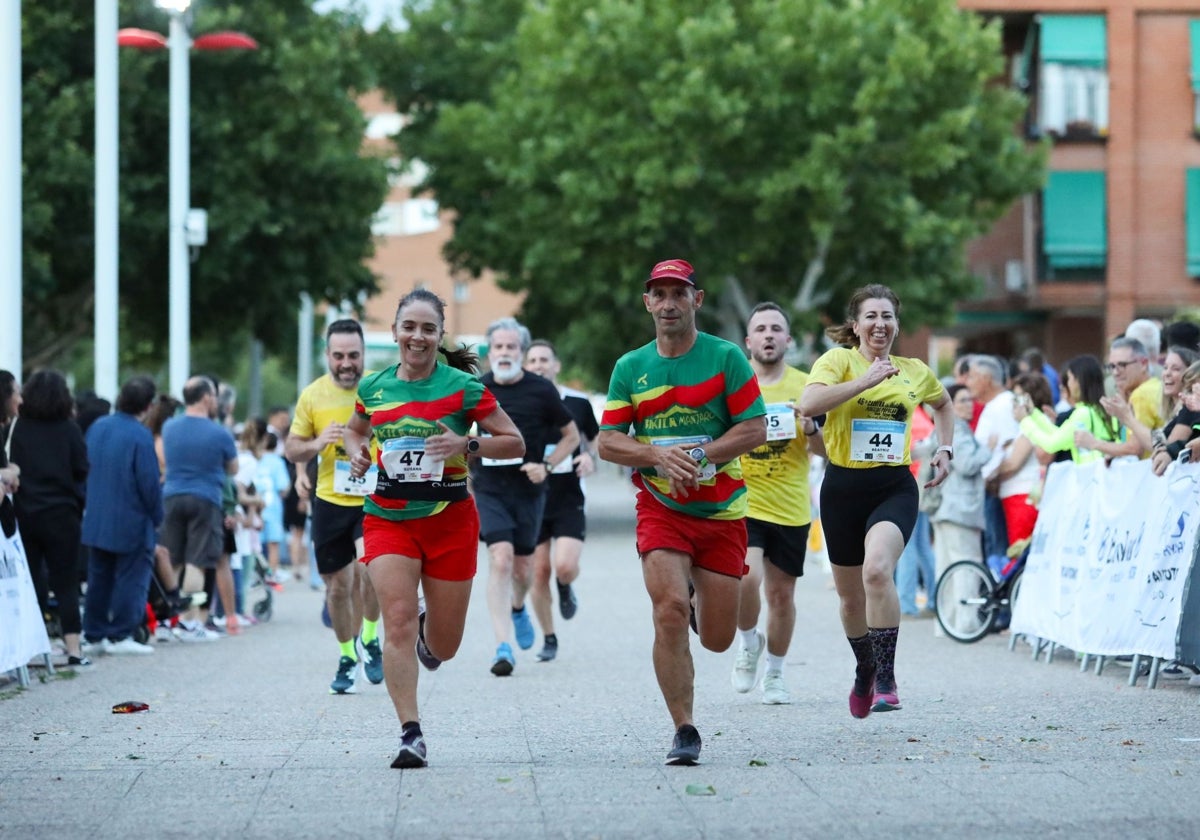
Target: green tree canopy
277,161
790,150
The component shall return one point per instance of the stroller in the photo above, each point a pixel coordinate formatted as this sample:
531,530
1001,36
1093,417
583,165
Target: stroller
258,576
162,608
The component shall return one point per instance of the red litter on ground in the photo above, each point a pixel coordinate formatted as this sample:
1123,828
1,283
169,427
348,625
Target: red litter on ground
130,706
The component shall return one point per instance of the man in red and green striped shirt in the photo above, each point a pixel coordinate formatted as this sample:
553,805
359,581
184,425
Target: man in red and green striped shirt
693,403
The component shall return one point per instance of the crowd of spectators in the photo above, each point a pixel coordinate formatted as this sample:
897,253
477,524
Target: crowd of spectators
1018,416
107,584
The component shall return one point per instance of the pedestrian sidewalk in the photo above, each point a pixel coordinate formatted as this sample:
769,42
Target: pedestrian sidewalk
243,740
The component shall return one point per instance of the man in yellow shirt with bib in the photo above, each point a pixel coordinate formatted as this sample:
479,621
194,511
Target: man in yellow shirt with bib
322,412
779,514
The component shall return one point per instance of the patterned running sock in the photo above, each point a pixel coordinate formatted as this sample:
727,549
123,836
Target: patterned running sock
884,641
864,654
370,631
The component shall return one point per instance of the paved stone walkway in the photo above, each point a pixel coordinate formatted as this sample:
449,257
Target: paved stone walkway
243,741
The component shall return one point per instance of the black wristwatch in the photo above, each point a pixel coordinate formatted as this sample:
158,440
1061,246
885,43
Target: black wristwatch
472,446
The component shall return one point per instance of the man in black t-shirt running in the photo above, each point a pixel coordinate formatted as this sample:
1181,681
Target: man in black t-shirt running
564,520
511,493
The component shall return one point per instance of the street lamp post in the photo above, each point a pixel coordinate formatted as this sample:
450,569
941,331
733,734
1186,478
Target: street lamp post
180,293
10,187
179,44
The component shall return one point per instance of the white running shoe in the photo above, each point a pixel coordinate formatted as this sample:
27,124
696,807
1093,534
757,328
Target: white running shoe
99,648
162,633
775,690
194,631
129,647
745,667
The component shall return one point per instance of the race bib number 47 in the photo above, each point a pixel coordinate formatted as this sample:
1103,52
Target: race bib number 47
405,459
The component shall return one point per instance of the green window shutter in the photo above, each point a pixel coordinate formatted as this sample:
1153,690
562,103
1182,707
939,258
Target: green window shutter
1075,39
1073,220
1193,222
1196,56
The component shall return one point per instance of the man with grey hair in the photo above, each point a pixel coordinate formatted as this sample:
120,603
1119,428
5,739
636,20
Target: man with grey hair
996,429
511,493
1150,334
1129,364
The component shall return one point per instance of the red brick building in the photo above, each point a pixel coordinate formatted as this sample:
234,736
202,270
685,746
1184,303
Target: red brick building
1115,234
410,233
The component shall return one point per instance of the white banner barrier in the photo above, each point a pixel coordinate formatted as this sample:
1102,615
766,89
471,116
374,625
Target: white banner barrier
22,630
1110,558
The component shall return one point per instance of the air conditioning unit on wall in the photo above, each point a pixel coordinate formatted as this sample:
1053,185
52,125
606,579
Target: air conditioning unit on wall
1014,276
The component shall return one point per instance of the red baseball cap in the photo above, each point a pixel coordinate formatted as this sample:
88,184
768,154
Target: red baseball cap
680,270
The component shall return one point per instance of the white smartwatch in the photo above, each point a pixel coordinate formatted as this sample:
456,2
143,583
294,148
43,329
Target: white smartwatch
949,450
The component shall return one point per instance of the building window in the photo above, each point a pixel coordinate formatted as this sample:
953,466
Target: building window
383,126
1074,234
1195,29
1072,80
406,218
1193,222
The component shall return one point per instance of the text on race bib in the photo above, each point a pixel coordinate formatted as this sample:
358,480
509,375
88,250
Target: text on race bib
347,485
781,421
499,462
708,470
567,465
877,441
405,459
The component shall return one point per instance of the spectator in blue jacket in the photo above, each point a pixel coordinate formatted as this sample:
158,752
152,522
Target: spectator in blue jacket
124,506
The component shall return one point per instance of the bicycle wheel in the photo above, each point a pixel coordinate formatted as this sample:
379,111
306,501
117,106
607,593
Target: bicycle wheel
1014,589
966,603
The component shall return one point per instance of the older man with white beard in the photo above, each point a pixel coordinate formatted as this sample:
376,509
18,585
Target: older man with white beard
511,493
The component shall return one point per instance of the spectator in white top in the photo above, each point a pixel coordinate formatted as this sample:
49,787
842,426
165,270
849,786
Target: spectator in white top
995,430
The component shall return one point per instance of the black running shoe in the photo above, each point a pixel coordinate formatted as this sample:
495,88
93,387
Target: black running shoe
568,604
431,662
412,751
549,651
685,750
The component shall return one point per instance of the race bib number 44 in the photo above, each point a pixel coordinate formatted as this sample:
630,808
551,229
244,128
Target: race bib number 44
405,459
347,485
877,441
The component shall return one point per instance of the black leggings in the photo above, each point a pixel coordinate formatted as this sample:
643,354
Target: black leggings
852,501
51,539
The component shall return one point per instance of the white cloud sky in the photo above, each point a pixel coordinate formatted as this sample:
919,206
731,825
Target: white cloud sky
377,10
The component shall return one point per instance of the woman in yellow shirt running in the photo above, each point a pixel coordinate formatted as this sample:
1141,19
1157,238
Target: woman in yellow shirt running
868,494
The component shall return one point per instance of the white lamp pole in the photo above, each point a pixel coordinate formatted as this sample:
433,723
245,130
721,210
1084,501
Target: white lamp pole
107,208
304,348
179,44
10,187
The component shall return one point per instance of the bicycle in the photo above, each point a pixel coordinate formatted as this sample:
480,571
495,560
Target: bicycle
973,599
